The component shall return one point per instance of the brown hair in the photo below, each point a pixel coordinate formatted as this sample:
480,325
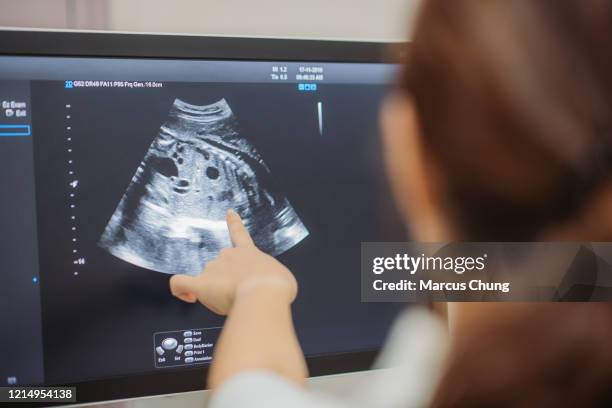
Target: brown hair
531,355
514,101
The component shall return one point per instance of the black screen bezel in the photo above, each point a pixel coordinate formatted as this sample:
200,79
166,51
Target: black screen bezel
196,47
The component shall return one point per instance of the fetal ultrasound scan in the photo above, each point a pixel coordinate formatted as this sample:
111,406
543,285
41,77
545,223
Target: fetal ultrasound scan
171,219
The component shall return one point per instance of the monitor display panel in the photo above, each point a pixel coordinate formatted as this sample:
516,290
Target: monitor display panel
116,174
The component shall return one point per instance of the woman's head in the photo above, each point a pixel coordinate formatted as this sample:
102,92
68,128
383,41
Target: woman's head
503,131
507,128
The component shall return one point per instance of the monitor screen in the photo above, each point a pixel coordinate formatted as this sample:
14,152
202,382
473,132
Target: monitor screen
116,174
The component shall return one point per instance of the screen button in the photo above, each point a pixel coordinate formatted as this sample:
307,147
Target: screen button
169,343
181,347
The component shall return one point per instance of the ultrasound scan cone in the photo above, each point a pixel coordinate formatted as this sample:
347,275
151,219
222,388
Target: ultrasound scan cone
171,219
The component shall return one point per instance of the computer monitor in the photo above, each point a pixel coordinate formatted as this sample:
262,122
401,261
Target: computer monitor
119,155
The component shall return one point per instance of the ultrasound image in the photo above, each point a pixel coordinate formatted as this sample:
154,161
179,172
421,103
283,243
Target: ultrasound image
171,219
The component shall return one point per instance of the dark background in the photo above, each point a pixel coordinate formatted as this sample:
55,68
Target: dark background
101,322
20,319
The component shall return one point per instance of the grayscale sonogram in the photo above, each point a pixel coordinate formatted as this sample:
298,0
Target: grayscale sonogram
171,219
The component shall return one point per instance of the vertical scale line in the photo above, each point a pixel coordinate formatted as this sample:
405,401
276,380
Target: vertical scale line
320,111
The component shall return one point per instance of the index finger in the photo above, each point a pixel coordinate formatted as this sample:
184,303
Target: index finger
238,233
183,287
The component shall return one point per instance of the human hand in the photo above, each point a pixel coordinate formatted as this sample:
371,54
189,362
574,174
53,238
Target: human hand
236,271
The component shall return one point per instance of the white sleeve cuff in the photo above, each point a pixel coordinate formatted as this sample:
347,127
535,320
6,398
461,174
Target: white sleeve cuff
265,389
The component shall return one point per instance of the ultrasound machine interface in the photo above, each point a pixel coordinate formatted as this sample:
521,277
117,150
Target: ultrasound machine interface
117,172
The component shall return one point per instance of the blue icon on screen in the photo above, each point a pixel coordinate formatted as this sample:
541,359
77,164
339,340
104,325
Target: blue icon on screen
35,279
307,87
68,84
